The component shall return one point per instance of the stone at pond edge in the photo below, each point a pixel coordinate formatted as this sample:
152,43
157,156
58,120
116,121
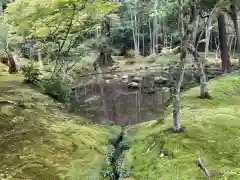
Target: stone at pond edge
125,77
137,79
160,80
133,85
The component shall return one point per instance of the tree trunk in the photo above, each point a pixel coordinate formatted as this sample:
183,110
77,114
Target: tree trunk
1,9
233,16
223,43
203,80
176,95
12,69
177,85
150,37
105,58
207,34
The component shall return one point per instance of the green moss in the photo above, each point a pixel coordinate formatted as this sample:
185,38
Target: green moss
42,141
212,131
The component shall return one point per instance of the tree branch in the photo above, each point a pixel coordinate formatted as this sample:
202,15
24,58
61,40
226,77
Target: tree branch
202,167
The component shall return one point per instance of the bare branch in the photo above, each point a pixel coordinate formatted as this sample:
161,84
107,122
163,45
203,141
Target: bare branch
202,166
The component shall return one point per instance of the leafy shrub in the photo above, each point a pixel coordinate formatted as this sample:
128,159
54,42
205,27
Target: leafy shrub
31,72
57,88
130,53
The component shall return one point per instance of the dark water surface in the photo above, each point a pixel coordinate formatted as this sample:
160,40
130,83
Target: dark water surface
110,101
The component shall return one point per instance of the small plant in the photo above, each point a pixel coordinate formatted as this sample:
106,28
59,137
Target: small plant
130,53
57,88
31,72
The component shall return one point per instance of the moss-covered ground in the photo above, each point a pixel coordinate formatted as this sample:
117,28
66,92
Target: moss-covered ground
212,131
42,141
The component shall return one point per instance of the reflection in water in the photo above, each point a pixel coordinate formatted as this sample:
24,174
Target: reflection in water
112,102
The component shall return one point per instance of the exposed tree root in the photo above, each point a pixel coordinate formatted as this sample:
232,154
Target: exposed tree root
206,96
2,101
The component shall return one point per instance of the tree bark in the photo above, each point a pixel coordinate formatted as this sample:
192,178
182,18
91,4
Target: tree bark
176,87
233,15
105,58
12,69
207,34
193,50
1,9
223,43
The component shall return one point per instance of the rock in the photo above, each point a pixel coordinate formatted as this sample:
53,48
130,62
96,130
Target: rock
133,85
161,155
125,77
108,81
125,80
160,80
108,122
137,79
93,98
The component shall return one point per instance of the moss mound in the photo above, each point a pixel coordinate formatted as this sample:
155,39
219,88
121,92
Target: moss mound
42,141
212,131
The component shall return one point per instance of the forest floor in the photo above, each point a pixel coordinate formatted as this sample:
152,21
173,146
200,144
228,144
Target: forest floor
212,131
164,60
42,141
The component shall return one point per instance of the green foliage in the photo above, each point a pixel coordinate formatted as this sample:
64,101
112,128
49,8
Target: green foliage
57,88
3,37
131,53
31,72
56,26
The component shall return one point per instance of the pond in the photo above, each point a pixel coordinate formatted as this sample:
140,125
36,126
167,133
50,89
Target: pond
113,101
127,99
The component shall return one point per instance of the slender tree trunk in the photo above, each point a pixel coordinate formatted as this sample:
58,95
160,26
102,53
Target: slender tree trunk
233,16
1,9
223,43
177,86
176,94
154,33
143,36
151,37
203,79
207,34
135,31
138,37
